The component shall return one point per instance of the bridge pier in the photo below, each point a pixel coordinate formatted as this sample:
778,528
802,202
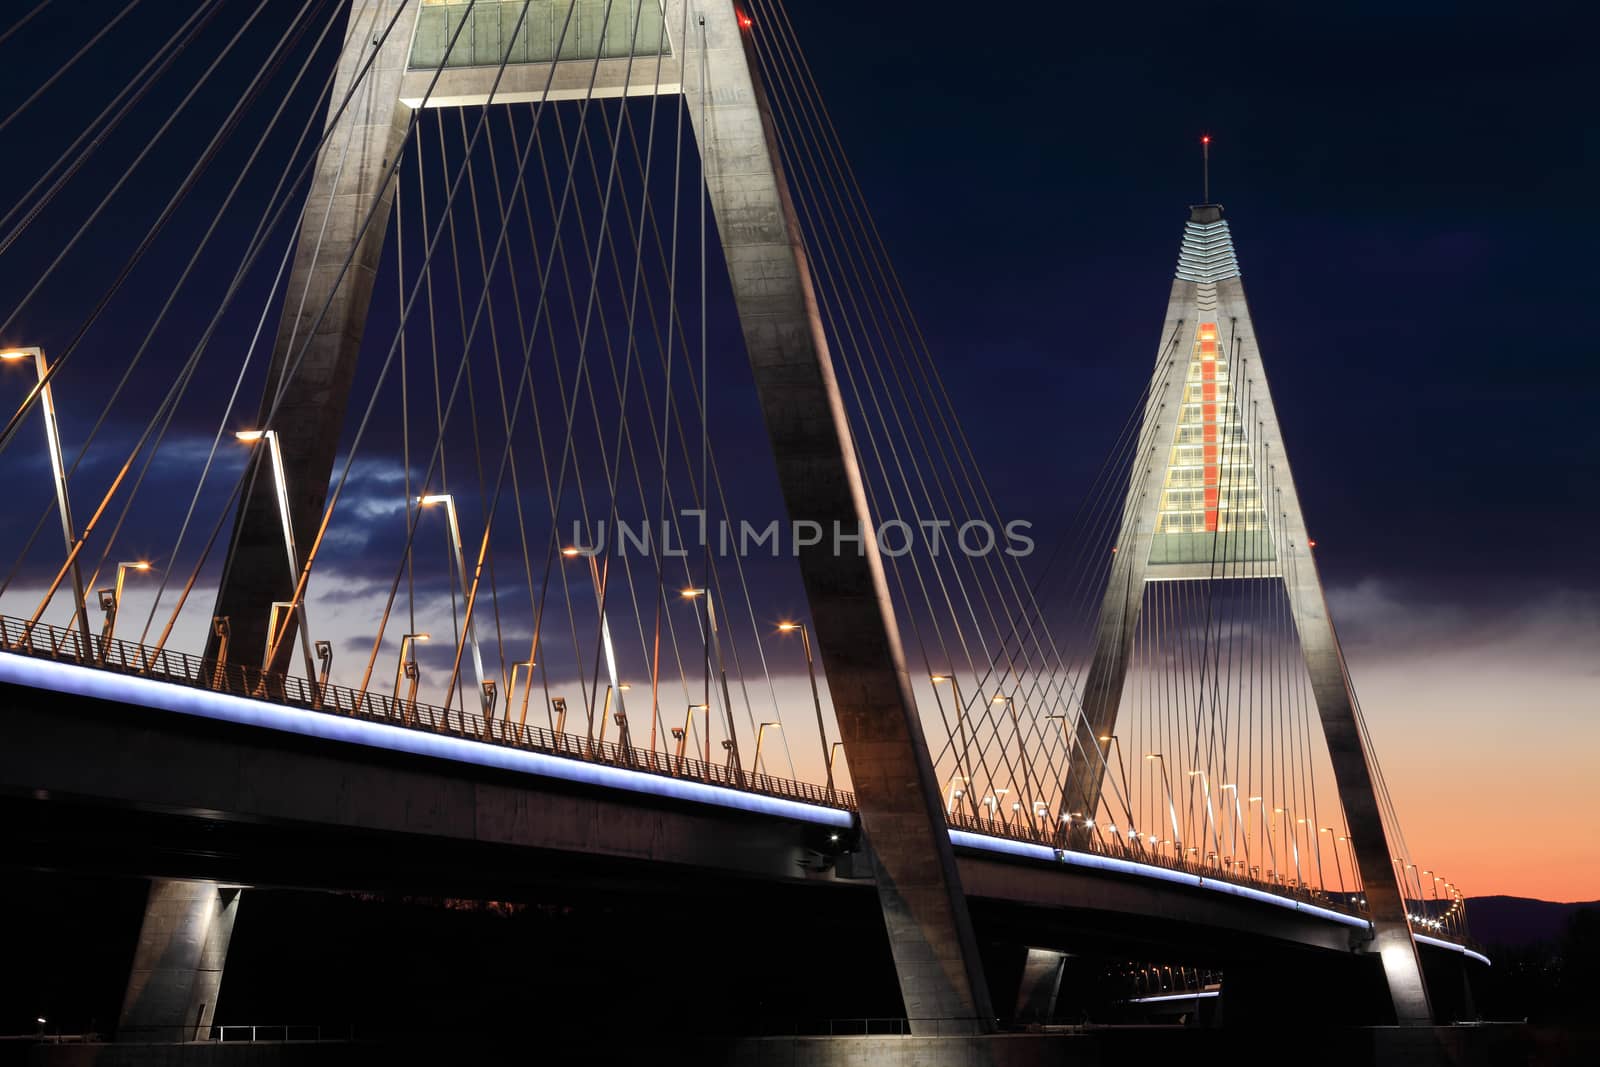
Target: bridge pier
1041,984
177,964
324,315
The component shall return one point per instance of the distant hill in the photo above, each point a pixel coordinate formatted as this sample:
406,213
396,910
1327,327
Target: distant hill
1519,921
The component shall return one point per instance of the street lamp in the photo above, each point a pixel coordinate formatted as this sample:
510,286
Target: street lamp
408,655
1022,753
1172,807
816,701
52,433
1110,740
713,647
963,761
1211,819
281,493
621,715
110,603
1239,830
760,733
527,690
682,735
1294,842
833,753
599,576
1338,865
1271,861
1316,840
953,792
1355,869
453,541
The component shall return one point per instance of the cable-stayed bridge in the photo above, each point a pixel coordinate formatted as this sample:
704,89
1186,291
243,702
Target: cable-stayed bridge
494,560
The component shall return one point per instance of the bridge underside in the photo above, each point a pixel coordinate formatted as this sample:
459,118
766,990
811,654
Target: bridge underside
195,799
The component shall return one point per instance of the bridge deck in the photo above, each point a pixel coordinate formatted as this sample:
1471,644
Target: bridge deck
48,658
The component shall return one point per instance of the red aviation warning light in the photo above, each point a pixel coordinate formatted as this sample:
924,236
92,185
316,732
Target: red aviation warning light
745,21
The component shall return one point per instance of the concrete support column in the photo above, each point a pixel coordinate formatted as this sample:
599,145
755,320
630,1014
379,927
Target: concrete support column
177,966
350,177
1088,755
925,913
1041,982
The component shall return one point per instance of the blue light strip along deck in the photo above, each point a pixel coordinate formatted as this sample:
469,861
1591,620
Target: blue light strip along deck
95,684
75,680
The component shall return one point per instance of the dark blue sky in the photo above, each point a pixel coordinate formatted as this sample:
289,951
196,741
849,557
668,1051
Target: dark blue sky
1409,187
1411,195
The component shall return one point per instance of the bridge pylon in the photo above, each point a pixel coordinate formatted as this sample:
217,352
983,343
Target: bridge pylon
707,57
1211,497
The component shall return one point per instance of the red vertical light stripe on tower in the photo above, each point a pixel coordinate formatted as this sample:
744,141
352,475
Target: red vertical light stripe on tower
1208,412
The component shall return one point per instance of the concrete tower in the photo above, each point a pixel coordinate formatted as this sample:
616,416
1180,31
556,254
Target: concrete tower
707,58
1211,497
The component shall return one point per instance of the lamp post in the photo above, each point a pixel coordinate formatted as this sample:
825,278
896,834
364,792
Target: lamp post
325,671
1022,753
1271,862
714,650
953,792
833,753
1238,822
1211,819
760,733
682,735
1294,842
1317,840
281,493
527,690
963,761
599,576
1355,870
1111,742
816,701
1338,865
1172,807
114,604
408,654
453,535
605,711
58,472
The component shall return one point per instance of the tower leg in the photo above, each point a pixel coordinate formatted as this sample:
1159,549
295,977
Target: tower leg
1041,984
1385,897
925,912
177,966
349,177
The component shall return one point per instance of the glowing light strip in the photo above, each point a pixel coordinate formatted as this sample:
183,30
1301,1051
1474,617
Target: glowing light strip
96,684
1027,850
1438,942
1165,997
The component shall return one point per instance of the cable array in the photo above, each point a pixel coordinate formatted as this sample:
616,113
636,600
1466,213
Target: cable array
544,511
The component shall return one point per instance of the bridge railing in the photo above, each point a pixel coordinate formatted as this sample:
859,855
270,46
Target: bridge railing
166,665
180,668
1117,847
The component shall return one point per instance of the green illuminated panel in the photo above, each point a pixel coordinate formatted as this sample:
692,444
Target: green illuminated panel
1211,506
632,25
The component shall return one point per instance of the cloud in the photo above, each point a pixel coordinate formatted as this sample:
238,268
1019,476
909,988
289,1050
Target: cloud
1382,623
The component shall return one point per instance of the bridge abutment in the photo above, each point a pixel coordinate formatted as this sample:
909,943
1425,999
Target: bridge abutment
178,962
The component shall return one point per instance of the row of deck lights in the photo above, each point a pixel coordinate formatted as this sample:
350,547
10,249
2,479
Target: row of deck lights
406,667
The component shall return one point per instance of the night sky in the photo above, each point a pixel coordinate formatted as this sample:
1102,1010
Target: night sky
1410,189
